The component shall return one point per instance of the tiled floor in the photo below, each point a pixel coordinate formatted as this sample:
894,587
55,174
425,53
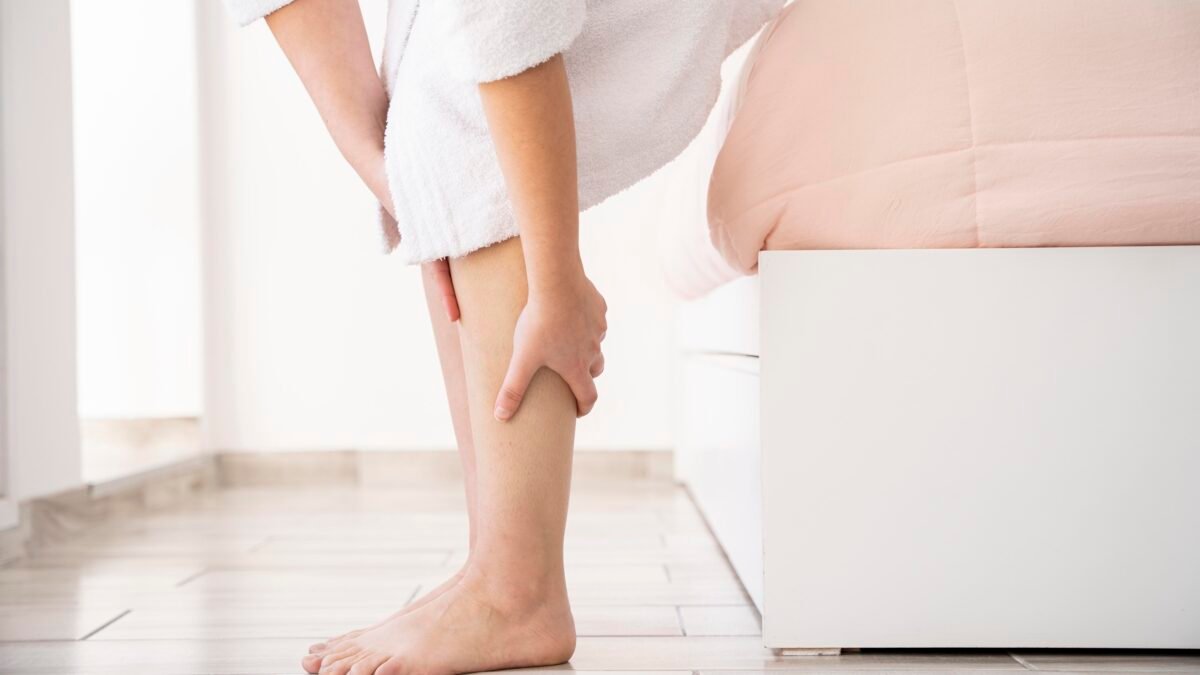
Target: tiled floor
241,581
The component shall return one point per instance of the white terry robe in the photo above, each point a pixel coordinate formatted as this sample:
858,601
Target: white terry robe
643,76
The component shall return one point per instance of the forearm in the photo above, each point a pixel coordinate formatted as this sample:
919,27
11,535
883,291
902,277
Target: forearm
326,43
533,128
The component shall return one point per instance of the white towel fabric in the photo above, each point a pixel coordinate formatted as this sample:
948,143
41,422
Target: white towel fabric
643,76
246,12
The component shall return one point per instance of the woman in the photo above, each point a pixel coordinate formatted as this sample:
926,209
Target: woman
493,119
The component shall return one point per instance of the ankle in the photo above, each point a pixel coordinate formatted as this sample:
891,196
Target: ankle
536,602
519,591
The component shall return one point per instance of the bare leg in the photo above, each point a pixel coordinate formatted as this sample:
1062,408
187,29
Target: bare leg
445,334
510,609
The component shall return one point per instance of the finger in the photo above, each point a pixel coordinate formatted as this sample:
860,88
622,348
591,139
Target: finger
584,388
516,381
598,366
445,286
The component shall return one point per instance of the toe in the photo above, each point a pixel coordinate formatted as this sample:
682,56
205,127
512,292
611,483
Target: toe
342,666
311,663
389,667
368,665
337,663
335,644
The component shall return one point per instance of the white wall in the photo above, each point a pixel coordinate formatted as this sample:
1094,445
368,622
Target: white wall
314,339
41,431
137,207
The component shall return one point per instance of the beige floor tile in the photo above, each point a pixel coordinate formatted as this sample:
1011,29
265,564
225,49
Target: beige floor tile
199,621
442,540
714,621
224,581
609,575
747,653
74,577
68,596
252,657
198,546
405,562
84,561
127,566
599,620
156,657
383,601
52,623
626,581
710,570
219,621
691,541
607,524
661,594
357,543
1115,662
551,670
241,581
624,556
873,669
402,562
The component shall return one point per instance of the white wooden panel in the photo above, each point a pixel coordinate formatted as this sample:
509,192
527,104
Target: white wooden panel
717,457
724,321
982,448
39,252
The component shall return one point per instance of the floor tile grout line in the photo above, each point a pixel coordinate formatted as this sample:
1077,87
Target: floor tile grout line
712,535
682,658
106,624
259,544
413,596
192,577
1024,664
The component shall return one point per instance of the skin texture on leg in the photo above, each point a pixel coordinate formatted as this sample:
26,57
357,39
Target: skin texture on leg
445,335
510,608
531,453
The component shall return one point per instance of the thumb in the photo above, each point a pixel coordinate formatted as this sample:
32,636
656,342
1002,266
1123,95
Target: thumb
516,381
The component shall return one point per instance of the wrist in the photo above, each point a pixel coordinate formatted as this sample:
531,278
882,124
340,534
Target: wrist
562,273
372,169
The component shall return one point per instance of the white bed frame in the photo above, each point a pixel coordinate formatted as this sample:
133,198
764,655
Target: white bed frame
954,448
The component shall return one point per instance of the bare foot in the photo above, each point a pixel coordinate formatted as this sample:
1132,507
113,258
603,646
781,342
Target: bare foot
472,627
321,648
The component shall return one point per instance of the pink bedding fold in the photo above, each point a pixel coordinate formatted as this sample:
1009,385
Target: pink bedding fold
941,124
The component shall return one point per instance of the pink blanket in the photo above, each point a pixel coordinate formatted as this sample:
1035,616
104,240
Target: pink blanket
942,124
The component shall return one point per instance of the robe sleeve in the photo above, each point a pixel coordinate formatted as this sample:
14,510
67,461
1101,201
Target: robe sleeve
246,12
487,40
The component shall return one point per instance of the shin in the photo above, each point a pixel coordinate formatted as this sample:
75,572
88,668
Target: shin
524,464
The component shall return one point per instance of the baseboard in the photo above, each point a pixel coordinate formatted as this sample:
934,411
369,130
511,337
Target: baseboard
57,517
46,520
398,468
651,466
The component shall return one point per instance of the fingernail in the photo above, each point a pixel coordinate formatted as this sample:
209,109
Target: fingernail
502,414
